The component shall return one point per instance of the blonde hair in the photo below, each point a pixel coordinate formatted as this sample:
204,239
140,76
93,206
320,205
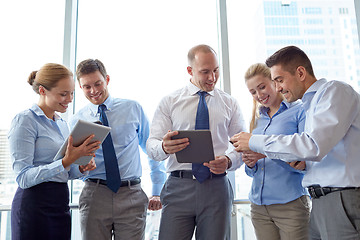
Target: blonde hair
48,76
254,70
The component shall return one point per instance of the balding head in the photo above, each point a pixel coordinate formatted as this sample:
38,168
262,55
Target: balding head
199,48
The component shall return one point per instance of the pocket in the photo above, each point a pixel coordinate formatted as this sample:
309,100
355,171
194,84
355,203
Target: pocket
144,196
138,197
350,202
305,201
87,194
230,190
164,190
126,131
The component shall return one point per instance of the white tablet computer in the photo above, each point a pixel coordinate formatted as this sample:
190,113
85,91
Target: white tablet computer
81,131
199,150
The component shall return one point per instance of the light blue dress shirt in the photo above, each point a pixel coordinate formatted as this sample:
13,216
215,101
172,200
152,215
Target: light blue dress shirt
330,142
34,140
129,130
274,181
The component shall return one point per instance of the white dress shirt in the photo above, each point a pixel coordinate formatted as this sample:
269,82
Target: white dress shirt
330,142
177,111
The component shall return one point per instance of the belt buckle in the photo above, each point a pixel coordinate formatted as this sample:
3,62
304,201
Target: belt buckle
312,192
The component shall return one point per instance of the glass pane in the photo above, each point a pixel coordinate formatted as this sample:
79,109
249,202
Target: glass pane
32,34
245,229
144,46
325,30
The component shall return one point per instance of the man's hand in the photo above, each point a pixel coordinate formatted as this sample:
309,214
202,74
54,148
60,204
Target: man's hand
250,158
219,165
88,167
241,141
172,146
154,203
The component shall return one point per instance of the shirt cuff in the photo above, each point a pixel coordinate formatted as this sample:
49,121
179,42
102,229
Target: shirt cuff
251,171
55,168
236,161
161,154
257,143
74,172
59,166
156,189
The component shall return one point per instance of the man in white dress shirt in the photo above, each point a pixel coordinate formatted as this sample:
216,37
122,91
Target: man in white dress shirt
188,202
329,144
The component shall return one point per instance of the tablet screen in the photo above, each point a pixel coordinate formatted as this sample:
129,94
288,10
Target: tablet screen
81,131
199,150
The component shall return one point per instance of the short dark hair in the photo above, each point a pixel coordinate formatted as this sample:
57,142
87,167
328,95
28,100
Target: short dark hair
290,58
89,66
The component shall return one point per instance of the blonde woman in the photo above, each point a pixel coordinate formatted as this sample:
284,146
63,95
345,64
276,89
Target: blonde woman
279,203
40,208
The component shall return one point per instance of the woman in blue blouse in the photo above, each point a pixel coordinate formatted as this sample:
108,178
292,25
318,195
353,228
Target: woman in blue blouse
279,203
40,208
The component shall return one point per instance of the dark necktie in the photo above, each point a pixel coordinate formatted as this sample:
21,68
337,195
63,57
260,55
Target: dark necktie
202,122
113,179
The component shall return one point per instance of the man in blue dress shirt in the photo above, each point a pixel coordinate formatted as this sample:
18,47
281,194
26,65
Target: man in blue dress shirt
105,212
330,144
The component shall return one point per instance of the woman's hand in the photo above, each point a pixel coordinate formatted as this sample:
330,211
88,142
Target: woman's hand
250,158
87,148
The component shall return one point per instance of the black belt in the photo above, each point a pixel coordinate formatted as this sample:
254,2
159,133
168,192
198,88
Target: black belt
316,191
123,183
188,174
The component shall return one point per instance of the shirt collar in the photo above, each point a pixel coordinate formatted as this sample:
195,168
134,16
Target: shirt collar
39,112
315,86
283,106
310,92
109,103
194,89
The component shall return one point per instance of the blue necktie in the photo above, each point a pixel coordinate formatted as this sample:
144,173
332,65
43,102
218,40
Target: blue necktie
202,122
113,179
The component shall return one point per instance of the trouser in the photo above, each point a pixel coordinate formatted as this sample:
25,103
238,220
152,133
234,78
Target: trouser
104,213
287,221
336,216
188,204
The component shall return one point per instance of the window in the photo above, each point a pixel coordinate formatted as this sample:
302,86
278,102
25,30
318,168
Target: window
144,51
144,44
251,43
31,37
32,34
